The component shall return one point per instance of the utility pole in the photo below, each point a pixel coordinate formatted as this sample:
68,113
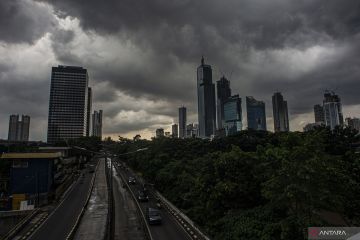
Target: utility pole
37,189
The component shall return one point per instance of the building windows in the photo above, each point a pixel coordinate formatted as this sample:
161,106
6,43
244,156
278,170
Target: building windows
20,163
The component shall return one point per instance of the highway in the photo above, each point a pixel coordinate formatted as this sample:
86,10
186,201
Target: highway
169,229
127,222
60,222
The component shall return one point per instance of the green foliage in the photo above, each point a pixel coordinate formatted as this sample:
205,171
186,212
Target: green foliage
255,185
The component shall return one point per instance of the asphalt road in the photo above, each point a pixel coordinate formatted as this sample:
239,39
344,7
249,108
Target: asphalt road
127,222
169,229
60,222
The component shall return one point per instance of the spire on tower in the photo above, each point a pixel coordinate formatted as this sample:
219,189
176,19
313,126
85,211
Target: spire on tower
202,60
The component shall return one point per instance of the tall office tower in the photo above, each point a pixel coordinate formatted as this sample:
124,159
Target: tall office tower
25,126
68,105
280,113
319,113
182,122
223,93
256,116
174,131
97,123
88,112
13,127
332,110
160,132
206,101
232,115
353,123
19,130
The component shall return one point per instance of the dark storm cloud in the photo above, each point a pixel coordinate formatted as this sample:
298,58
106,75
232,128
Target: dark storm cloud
340,75
250,38
187,29
260,23
23,21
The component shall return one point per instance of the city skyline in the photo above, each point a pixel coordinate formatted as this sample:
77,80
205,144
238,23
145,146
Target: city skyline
140,81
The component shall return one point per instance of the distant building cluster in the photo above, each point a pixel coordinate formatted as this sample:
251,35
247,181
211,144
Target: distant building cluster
330,114
220,112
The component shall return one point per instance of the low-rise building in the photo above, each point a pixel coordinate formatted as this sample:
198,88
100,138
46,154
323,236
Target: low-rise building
31,176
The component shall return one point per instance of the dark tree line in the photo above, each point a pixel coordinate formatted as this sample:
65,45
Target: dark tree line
256,185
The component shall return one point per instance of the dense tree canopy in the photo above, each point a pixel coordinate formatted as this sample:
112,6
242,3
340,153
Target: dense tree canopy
256,185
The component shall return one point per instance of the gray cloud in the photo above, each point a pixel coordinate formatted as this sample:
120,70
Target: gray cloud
24,21
148,51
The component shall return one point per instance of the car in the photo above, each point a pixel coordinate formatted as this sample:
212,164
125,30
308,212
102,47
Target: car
143,196
131,180
153,216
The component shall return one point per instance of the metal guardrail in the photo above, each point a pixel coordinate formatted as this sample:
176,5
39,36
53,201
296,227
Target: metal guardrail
71,234
184,221
144,223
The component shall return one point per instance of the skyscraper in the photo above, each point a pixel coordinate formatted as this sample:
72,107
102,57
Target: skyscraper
319,113
88,112
174,131
160,132
223,93
97,123
25,126
332,110
182,122
256,116
206,101
232,115
13,127
280,113
68,105
19,130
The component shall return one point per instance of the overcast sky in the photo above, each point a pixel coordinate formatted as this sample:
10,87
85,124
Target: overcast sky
142,56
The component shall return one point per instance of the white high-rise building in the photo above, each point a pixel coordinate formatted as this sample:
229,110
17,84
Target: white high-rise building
332,110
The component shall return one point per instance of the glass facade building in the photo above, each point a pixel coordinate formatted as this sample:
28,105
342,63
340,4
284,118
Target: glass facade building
97,123
182,122
223,93
68,106
232,115
280,113
206,101
332,110
256,117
